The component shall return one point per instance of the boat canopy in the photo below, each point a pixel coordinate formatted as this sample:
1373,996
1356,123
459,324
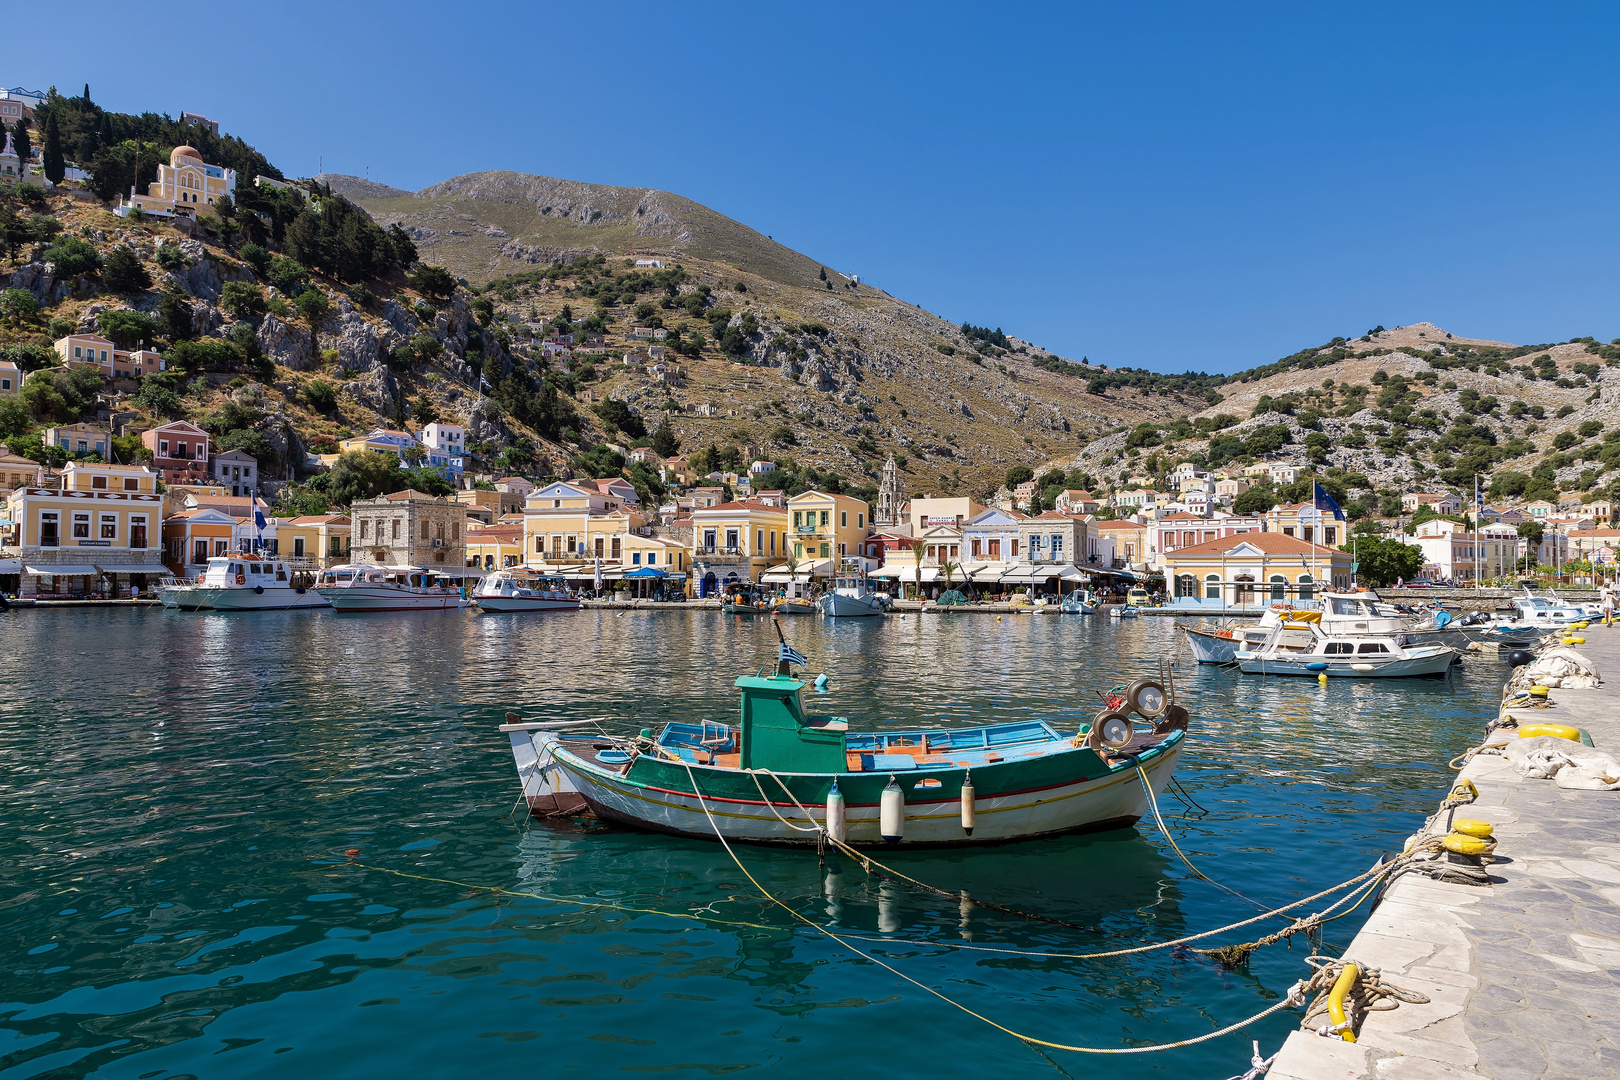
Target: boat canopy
805,570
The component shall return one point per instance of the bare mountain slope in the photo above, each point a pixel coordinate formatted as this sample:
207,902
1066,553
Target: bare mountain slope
489,224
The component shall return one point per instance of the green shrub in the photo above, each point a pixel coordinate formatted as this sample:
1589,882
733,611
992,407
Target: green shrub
19,304
72,256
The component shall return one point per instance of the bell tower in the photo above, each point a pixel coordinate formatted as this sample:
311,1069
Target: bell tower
890,498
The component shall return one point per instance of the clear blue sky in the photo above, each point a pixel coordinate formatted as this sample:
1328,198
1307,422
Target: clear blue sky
1207,186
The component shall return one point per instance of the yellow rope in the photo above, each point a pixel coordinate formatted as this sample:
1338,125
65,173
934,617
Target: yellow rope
1296,994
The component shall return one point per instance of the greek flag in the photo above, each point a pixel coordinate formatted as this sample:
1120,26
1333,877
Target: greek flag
790,654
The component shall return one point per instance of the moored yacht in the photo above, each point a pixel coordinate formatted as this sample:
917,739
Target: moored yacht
251,583
359,587
852,595
518,589
1305,648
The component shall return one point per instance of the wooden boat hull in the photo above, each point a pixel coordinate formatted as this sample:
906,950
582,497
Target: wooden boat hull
745,609
794,607
1016,799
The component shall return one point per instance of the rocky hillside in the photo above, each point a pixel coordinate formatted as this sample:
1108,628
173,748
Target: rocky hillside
1395,408
768,352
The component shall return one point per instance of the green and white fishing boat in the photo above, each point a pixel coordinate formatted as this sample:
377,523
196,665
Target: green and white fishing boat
781,775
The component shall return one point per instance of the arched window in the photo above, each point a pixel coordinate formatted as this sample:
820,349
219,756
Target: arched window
1212,586
1186,585
1306,587
1279,588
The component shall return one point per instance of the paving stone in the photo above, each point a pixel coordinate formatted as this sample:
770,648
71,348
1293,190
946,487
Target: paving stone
1511,1058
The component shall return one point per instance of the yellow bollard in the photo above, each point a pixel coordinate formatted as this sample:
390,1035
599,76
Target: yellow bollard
1322,678
1341,989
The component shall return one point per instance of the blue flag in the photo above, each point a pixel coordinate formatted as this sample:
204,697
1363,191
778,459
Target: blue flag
790,654
1323,501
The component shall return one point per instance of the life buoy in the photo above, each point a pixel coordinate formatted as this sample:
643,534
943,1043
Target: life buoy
241,579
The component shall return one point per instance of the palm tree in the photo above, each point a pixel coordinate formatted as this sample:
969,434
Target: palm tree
949,569
918,549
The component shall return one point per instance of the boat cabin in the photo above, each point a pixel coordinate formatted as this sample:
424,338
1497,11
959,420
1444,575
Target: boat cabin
247,572
774,732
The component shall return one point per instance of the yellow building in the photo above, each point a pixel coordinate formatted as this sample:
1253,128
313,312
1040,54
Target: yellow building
494,547
17,471
572,528
1253,569
314,541
736,541
183,185
10,380
96,535
826,527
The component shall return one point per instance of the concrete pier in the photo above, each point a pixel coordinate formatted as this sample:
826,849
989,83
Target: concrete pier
1523,975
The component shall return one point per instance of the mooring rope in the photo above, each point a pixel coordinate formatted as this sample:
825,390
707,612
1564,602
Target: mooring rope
1296,994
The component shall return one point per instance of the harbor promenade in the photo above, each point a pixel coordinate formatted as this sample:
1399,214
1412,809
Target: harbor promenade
1523,975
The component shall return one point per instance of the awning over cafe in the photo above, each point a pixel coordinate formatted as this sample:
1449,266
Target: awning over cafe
62,571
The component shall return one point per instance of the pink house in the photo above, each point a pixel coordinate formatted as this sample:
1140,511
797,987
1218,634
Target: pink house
179,451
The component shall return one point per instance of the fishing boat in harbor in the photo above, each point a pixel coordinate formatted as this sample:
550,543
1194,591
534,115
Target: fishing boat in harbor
852,596
745,598
1305,648
796,598
518,589
777,774
249,583
362,587
1220,645
1079,602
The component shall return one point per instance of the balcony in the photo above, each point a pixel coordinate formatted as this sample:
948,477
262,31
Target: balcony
808,530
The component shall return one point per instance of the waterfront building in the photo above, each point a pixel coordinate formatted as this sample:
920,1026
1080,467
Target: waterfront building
1053,539
192,536
1254,569
97,534
1595,545
183,185
1306,521
993,537
179,451
826,528
78,439
494,547
1182,530
877,546
410,528
1454,552
235,469
315,541
926,512
1130,539
736,541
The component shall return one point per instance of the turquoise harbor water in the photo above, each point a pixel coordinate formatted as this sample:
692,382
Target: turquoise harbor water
178,792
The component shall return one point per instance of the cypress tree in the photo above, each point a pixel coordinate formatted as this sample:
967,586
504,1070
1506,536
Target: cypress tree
19,133
55,167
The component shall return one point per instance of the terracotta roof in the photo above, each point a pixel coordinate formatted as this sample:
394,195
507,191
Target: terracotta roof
321,519
1059,514
409,493
495,532
1119,526
1269,542
509,479
741,504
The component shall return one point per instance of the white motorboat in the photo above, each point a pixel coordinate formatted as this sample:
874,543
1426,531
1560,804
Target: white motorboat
252,583
361,587
180,595
852,595
1305,648
1220,646
523,590
1080,602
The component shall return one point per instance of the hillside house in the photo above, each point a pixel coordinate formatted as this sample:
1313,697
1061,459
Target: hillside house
10,380
93,350
1413,501
179,451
